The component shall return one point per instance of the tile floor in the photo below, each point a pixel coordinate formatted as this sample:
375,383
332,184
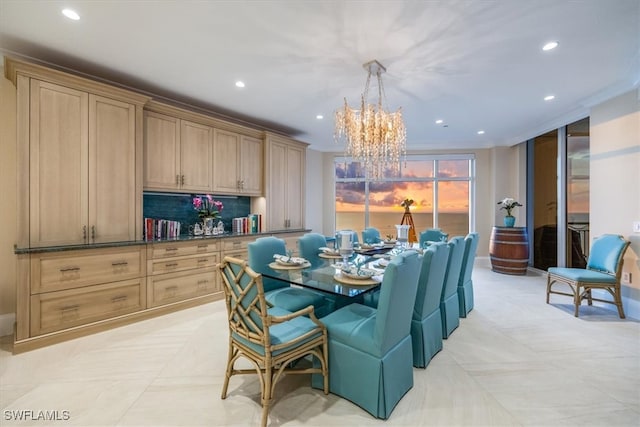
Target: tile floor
514,361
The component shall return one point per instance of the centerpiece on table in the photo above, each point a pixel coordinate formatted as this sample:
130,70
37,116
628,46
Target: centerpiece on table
509,204
208,211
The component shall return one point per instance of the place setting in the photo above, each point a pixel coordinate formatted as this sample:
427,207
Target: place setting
288,262
329,253
357,274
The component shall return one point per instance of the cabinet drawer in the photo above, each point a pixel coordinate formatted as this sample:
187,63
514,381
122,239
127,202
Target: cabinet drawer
174,287
243,254
234,244
53,272
166,250
170,265
54,311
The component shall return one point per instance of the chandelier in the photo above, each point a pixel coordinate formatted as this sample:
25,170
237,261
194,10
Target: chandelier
375,137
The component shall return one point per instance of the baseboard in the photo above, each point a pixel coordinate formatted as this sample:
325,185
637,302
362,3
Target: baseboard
6,324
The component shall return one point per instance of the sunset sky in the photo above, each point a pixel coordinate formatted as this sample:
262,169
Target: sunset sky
386,196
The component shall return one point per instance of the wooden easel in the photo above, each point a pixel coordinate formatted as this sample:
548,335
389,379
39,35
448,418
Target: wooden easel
408,220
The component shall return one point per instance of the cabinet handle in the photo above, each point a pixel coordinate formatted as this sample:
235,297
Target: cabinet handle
171,264
203,260
119,298
242,185
84,232
69,307
170,249
182,180
237,243
202,282
119,263
170,288
93,232
65,269
238,184
177,179
205,246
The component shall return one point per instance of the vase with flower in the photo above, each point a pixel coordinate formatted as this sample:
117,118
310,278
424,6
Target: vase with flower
208,211
509,204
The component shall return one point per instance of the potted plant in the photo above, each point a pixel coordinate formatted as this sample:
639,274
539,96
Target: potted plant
508,204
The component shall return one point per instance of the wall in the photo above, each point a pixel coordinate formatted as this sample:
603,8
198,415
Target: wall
615,177
313,195
7,206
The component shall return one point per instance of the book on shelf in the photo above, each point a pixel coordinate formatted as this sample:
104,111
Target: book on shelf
161,229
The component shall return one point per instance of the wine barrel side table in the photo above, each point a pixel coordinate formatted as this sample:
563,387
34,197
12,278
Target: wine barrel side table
509,250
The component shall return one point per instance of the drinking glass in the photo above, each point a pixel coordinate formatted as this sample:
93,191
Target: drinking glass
403,234
345,244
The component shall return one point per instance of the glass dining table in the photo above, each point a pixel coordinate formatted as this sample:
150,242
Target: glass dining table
323,273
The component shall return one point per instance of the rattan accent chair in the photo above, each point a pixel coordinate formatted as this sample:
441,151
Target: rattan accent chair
271,338
604,268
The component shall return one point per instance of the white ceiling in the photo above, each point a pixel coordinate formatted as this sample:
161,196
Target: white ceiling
475,64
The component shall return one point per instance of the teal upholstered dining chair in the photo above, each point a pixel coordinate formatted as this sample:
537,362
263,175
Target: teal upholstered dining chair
371,235
270,338
370,356
279,293
465,284
449,307
426,323
604,268
309,246
431,235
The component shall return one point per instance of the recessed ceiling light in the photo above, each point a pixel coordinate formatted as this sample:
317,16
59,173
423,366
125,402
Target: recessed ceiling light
480,132
319,117
239,83
71,14
549,97
550,45
439,121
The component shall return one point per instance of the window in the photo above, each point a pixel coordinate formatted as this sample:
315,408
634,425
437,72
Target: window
440,186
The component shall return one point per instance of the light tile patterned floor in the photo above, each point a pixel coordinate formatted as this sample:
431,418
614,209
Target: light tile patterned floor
514,361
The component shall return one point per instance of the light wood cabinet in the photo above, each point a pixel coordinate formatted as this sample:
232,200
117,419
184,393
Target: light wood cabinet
73,288
179,271
238,164
178,154
82,170
285,160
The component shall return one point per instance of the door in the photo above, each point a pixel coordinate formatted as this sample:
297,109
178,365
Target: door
195,156
295,187
112,170
251,165
161,151
278,177
225,162
58,165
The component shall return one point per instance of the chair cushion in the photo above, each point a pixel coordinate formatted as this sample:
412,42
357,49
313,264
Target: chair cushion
582,275
354,326
283,332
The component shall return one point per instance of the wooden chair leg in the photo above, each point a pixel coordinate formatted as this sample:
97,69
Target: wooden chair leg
548,287
577,299
618,299
227,374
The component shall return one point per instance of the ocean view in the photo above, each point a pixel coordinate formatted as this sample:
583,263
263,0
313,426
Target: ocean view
455,224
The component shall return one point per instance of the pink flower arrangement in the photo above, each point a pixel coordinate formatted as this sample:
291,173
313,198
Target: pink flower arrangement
207,207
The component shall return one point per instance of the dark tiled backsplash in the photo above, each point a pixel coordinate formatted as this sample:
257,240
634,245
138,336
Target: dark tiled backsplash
179,207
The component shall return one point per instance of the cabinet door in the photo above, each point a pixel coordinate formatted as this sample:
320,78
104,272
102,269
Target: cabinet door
195,156
278,176
161,151
58,164
251,166
112,170
295,187
225,162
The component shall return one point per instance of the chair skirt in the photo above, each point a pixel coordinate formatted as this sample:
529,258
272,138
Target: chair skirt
373,383
450,315
426,337
465,298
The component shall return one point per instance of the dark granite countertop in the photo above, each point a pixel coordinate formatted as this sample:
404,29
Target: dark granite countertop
185,238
